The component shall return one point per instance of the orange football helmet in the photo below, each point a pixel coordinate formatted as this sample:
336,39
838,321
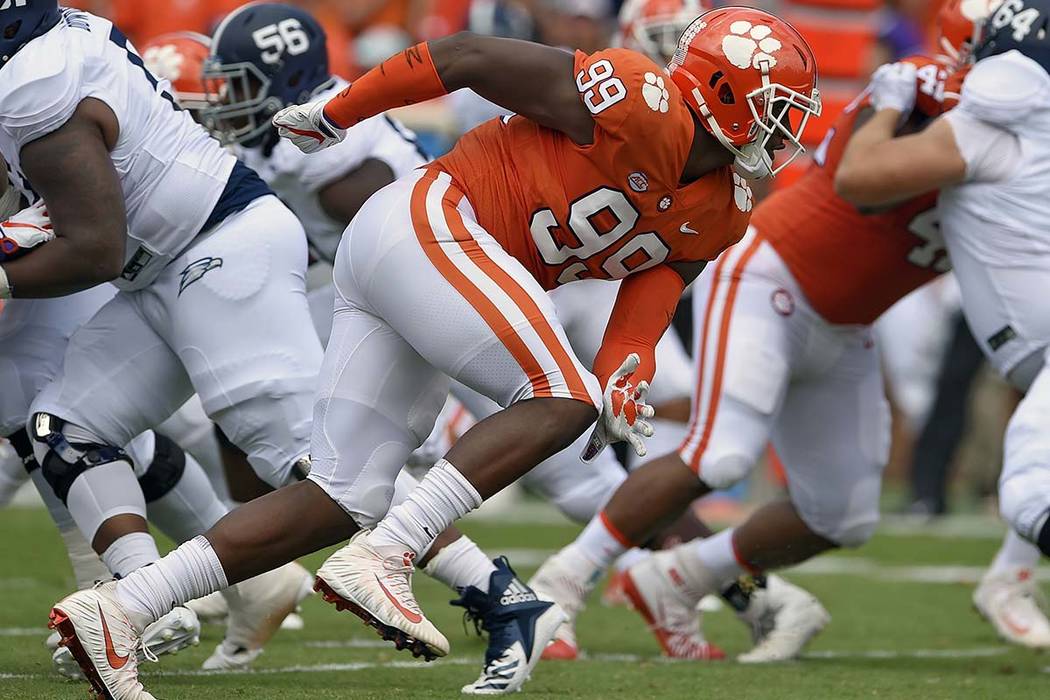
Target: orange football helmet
654,26
957,23
745,73
179,58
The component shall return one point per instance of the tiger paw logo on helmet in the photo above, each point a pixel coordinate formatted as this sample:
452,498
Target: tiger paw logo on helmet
655,93
164,61
742,194
750,45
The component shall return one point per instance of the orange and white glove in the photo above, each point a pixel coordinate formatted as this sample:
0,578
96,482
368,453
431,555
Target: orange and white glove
25,230
307,127
624,412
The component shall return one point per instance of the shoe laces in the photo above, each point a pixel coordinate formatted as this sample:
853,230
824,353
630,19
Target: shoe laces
398,580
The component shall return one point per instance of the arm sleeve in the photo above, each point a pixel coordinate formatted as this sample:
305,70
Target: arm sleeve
991,153
644,308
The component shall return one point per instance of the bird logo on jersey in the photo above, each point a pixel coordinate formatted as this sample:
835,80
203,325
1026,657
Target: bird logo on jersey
197,269
750,45
655,94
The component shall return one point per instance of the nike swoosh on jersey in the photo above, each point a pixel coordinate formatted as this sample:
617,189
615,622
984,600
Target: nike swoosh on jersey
115,660
685,229
414,618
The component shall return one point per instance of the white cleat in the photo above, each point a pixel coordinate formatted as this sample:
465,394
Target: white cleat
97,630
168,635
377,587
257,608
660,594
211,609
1012,602
783,619
566,578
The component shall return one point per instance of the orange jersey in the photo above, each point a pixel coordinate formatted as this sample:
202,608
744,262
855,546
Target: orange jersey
853,266
609,209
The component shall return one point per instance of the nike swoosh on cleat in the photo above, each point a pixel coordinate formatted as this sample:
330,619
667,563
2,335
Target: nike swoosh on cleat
115,660
414,618
685,229
1018,629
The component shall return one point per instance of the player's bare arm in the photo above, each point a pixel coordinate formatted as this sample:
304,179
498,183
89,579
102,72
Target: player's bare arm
878,168
341,199
71,170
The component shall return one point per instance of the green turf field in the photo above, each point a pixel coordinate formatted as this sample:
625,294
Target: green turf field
902,628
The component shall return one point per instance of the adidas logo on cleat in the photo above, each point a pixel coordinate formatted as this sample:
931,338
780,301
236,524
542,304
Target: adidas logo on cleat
517,592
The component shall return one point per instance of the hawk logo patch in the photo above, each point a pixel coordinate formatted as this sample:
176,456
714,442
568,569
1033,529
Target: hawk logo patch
197,269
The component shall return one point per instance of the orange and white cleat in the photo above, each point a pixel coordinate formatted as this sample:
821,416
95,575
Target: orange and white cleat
1012,602
98,631
377,587
655,589
566,578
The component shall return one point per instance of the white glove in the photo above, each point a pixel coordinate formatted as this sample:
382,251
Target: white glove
623,413
25,230
307,127
893,87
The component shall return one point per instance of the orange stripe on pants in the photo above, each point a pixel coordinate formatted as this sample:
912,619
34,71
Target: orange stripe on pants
474,296
522,299
723,343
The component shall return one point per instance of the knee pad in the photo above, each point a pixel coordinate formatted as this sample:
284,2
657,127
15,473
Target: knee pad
165,471
64,461
726,470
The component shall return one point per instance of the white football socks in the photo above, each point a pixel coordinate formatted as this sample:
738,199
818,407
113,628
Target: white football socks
710,563
600,542
442,497
1015,553
191,571
87,566
461,564
130,552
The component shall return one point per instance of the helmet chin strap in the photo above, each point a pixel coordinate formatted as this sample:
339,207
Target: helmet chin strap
751,160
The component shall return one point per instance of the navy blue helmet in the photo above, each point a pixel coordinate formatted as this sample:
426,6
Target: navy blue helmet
264,57
1018,24
21,21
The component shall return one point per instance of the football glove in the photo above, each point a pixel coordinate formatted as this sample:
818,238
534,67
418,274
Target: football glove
307,127
24,231
893,87
623,413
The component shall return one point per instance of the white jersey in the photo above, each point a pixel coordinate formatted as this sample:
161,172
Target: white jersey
171,171
298,178
995,222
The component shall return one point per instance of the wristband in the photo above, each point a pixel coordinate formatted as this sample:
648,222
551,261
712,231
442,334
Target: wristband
5,286
403,79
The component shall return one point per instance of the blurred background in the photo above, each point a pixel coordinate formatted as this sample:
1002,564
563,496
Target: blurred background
949,410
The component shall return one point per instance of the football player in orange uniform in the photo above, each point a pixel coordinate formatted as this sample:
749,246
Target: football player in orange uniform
785,355
612,168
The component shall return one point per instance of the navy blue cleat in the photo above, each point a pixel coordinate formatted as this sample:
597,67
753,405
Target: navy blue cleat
519,625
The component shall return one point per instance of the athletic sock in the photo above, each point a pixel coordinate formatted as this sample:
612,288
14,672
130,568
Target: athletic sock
442,497
711,563
461,564
87,566
601,542
191,571
1015,553
130,552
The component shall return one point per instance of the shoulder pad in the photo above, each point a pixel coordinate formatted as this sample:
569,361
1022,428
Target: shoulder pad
1006,90
39,89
